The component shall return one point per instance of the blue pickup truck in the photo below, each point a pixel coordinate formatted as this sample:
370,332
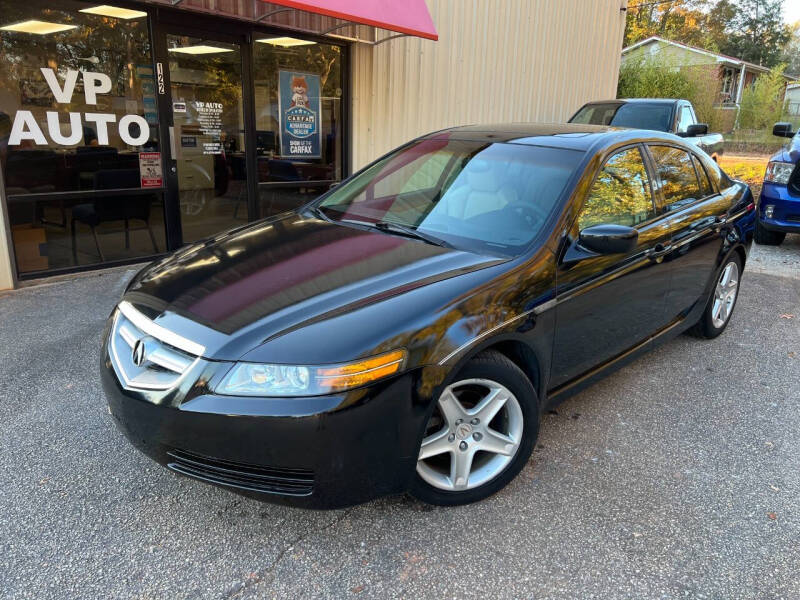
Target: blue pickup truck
779,205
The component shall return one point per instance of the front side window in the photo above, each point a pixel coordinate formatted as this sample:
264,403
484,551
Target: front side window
621,193
476,196
679,184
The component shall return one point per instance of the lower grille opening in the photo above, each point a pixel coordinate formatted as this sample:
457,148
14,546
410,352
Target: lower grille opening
270,480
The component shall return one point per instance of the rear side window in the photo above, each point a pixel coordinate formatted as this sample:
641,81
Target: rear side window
679,183
705,183
621,194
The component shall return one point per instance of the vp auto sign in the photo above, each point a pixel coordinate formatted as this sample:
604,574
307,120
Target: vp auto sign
133,129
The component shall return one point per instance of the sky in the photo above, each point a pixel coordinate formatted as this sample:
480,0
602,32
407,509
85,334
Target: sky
791,11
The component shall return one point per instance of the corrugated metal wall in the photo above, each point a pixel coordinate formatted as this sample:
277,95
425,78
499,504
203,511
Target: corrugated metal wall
495,61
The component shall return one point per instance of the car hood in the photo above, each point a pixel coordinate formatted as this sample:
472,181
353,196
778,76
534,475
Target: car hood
257,282
789,153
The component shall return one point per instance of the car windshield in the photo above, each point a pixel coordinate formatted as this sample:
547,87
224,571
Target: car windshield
475,196
631,114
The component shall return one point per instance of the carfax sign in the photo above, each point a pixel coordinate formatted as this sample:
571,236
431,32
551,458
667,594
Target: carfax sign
299,107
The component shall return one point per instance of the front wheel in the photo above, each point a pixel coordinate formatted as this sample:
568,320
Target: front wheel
480,435
719,309
765,237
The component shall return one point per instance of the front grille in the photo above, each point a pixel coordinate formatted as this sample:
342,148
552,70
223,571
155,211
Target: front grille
141,354
793,218
271,480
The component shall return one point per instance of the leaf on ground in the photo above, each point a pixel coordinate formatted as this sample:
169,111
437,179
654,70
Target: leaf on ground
772,516
787,316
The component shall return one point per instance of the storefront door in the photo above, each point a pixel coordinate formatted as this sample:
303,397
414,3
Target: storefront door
207,174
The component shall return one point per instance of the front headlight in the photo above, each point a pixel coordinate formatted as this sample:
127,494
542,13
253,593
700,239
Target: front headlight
778,172
252,379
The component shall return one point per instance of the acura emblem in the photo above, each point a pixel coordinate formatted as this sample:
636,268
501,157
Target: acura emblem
138,355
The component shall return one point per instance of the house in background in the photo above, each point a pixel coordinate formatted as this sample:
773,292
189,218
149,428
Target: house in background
793,99
734,74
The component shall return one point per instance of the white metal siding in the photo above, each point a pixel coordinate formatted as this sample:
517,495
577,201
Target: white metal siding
495,61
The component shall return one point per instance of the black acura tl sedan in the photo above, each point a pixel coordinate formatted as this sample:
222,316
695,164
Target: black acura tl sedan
406,330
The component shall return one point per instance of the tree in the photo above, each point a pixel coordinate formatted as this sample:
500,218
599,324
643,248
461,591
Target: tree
749,29
756,32
693,22
791,53
762,103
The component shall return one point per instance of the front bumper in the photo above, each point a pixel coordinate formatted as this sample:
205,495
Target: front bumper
786,215
324,452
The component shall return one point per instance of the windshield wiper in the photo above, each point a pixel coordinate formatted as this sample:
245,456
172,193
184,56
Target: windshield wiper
412,232
319,213
398,229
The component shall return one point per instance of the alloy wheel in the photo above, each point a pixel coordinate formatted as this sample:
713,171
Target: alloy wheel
725,295
472,436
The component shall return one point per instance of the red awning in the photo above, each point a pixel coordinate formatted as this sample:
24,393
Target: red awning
404,16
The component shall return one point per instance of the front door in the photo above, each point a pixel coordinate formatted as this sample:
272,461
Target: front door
207,171
610,303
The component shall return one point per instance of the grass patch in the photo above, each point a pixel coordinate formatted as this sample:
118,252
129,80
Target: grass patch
749,169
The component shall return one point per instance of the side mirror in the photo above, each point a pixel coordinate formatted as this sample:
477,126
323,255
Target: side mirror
783,130
609,239
333,185
697,129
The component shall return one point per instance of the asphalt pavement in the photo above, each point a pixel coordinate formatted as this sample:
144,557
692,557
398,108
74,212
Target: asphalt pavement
677,477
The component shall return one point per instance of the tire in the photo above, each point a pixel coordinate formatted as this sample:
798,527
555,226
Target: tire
455,432
765,237
713,322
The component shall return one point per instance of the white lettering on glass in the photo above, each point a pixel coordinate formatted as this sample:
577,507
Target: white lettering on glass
62,96
102,120
95,83
54,128
125,130
23,119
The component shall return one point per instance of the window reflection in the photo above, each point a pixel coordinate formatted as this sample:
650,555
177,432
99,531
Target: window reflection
621,193
678,178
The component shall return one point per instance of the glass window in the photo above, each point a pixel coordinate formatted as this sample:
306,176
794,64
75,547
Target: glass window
299,112
628,114
679,184
685,119
78,114
620,194
208,116
705,183
475,196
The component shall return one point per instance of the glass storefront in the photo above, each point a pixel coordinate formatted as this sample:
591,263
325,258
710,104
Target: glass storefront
127,131
288,181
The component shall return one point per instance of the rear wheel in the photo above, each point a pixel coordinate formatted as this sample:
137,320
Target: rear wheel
720,306
765,237
480,435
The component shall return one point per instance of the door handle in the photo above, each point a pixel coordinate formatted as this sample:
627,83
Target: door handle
659,251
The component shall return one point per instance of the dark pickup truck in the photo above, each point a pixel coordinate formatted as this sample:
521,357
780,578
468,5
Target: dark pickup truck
659,114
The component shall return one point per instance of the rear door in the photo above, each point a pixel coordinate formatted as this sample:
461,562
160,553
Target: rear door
608,304
696,213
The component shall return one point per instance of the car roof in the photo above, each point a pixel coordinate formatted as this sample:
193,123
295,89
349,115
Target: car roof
637,101
572,136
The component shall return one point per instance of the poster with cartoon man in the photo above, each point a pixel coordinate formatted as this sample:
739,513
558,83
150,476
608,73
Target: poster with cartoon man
299,107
